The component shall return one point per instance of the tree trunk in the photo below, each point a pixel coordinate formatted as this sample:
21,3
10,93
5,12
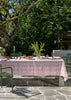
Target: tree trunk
7,51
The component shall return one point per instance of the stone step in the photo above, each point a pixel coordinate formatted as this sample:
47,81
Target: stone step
35,81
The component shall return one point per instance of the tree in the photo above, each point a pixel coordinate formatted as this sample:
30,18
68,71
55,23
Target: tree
10,15
45,23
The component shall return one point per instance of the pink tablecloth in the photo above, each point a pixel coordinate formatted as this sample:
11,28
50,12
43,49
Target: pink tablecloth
37,67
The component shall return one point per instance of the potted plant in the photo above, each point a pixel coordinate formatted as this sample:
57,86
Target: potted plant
37,49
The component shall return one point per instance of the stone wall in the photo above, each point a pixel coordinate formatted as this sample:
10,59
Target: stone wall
61,53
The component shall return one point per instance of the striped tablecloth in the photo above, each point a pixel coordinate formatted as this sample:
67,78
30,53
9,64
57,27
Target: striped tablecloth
37,67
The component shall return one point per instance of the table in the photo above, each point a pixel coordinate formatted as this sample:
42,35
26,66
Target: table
38,67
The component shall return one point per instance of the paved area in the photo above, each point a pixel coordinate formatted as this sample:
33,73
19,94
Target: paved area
30,88
35,93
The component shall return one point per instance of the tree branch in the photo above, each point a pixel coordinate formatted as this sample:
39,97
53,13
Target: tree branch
2,6
28,9
4,32
9,16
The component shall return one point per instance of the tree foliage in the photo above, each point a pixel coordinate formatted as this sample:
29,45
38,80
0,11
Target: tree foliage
44,23
10,13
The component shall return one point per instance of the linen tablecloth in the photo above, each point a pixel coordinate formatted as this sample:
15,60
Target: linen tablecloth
37,67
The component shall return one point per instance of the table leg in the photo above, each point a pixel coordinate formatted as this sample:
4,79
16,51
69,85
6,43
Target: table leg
61,81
